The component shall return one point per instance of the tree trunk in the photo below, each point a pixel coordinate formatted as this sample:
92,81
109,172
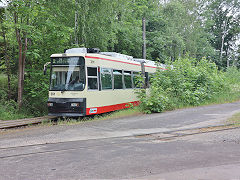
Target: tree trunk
20,75
223,36
24,56
20,63
22,50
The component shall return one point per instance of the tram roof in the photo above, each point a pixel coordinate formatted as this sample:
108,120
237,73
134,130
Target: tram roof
99,56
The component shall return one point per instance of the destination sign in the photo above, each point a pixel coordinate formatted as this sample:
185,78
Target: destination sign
68,61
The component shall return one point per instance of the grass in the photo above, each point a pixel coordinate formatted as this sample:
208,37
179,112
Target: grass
8,108
3,80
111,115
9,111
12,116
235,119
223,98
218,99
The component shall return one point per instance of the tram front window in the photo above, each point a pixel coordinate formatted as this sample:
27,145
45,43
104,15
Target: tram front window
67,75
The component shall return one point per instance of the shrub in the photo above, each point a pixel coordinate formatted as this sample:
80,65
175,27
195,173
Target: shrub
36,93
188,83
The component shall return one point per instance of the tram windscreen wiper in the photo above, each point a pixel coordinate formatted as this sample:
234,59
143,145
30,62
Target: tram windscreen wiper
64,89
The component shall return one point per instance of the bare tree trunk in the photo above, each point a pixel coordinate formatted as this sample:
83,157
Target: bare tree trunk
223,36
22,50
24,55
228,58
20,63
221,51
20,75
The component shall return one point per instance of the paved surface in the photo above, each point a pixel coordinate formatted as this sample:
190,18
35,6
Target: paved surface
123,148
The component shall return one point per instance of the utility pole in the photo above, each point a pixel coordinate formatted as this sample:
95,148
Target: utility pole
144,38
143,51
76,23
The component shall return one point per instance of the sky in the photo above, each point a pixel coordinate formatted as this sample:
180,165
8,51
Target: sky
3,3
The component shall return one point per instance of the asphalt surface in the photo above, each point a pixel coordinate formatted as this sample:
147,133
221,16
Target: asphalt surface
142,147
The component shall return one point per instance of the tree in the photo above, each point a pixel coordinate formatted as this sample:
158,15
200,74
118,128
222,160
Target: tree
175,30
21,11
5,49
222,20
34,32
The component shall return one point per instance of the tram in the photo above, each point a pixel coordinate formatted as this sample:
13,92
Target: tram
85,81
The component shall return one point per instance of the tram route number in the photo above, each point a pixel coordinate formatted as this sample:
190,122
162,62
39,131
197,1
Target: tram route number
93,111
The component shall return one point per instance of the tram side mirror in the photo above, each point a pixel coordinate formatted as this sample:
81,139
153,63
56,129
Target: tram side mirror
45,68
45,71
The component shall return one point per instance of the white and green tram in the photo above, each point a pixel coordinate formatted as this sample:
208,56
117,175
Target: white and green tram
84,81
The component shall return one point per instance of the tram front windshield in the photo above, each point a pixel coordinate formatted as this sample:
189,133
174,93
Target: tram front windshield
67,74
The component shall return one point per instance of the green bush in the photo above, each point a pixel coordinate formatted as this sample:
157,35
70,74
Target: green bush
9,111
232,76
8,107
188,83
36,93
34,97
3,87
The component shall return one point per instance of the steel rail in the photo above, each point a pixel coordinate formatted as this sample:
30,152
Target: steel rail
23,122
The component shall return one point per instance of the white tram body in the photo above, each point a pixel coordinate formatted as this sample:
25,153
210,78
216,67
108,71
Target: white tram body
83,83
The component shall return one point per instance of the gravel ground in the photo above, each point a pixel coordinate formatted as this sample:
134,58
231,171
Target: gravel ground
123,149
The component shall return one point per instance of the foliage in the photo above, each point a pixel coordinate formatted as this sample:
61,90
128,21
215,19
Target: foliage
36,93
3,83
8,107
221,21
235,119
175,29
188,83
232,75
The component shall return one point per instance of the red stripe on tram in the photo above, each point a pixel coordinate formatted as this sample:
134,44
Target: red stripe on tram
104,109
92,57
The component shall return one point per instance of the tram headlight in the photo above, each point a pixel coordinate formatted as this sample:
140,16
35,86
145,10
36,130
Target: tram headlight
50,104
74,104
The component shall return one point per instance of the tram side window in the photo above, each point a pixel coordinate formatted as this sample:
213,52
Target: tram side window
106,78
118,79
127,79
92,78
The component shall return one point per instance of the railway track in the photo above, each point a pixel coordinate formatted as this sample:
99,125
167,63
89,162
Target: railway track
33,149
23,122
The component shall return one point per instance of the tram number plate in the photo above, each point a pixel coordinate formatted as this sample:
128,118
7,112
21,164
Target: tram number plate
93,111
